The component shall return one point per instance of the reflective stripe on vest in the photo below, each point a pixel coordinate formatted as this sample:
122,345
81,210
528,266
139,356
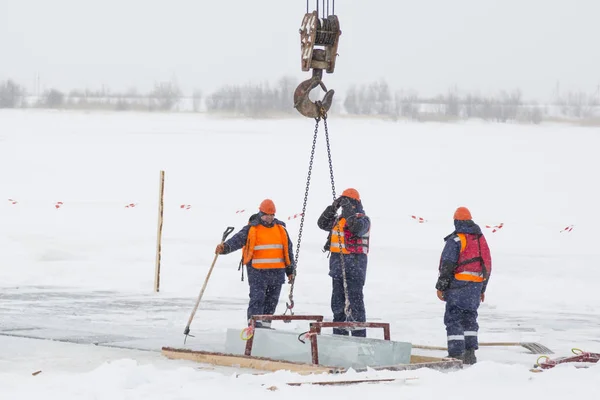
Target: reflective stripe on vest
268,246
469,276
267,261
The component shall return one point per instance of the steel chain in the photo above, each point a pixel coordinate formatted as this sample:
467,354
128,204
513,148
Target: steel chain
329,155
290,305
347,309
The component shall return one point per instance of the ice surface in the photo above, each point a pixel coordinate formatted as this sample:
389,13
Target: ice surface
84,272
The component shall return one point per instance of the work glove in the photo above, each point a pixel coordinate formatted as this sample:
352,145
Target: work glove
220,248
442,284
340,202
347,210
290,271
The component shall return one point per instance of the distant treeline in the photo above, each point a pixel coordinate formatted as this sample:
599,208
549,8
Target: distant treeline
265,100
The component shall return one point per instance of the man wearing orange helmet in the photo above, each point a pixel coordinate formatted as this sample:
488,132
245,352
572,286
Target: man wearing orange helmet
464,271
268,256
348,244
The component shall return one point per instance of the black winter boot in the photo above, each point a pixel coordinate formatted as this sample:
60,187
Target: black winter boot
470,358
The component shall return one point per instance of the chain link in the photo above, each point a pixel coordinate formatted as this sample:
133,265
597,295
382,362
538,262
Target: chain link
290,305
329,156
347,309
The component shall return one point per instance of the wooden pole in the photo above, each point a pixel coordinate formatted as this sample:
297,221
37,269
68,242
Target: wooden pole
159,234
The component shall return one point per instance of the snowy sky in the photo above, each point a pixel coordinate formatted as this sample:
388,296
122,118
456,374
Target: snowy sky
429,46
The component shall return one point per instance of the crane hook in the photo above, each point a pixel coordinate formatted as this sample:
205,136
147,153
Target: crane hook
302,102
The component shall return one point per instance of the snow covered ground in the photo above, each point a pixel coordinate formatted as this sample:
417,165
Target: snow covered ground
81,271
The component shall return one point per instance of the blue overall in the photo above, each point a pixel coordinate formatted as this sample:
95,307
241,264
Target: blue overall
462,301
462,297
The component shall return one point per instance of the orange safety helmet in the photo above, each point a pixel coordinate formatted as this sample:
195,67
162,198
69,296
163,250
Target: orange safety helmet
267,206
462,214
351,193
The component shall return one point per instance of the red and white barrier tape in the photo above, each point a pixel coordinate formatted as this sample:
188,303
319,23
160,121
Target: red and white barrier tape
420,220
495,228
568,229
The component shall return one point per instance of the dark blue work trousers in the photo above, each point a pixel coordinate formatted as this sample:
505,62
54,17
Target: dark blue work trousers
357,305
462,303
265,288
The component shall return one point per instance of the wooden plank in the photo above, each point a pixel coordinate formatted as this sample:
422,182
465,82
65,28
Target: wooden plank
242,361
350,382
418,359
535,348
424,347
271,365
482,344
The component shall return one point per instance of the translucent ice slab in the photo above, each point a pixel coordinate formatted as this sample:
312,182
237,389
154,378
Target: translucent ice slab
334,350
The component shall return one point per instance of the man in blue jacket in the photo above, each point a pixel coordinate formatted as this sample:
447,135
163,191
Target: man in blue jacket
268,257
348,244
464,271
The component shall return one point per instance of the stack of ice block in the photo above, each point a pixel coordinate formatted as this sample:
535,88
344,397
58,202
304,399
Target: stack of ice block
334,350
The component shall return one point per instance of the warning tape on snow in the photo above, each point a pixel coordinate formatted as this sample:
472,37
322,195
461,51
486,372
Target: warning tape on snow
420,220
568,229
416,218
495,228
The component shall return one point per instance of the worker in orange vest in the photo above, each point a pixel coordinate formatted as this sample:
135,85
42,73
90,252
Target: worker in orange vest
268,256
464,272
348,238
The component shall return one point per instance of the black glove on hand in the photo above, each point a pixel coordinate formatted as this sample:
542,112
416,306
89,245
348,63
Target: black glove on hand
339,202
289,270
348,211
336,203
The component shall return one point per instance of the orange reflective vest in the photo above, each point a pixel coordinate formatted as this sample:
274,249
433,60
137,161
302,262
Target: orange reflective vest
267,248
343,241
